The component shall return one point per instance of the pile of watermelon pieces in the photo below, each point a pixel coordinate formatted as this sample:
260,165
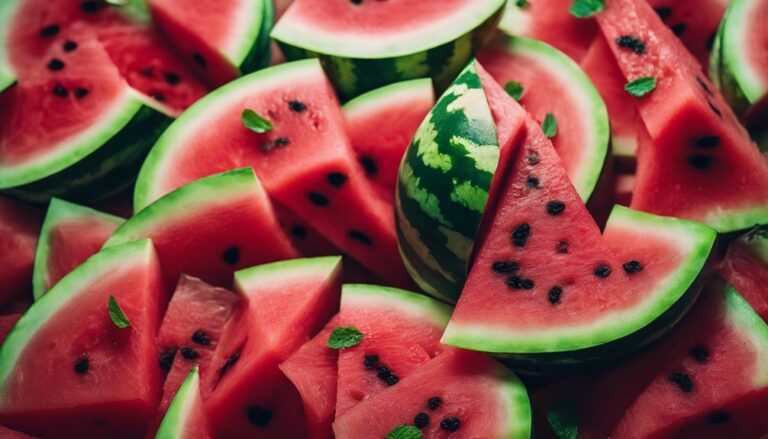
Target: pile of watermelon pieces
383,219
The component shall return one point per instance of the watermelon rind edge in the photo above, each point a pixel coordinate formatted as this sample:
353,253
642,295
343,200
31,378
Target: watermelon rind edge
326,266
382,97
177,416
416,305
753,328
519,405
254,50
7,75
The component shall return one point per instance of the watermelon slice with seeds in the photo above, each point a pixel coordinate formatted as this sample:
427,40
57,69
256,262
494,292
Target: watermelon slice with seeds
19,230
185,418
243,232
282,305
745,266
63,367
71,234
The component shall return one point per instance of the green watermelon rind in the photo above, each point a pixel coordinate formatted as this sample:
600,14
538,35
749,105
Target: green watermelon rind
752,328
326,267
162,153
650,319
94,270
7,75
254,51
514,393
387,96
58,212
177,416
415,305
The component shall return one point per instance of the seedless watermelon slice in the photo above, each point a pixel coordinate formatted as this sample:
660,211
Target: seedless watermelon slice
71,234
185,418
19,229
69,331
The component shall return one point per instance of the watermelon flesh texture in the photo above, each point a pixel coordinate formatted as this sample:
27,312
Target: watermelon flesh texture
19,229
746,268
282,305
487,400
64,365
313,370
700,156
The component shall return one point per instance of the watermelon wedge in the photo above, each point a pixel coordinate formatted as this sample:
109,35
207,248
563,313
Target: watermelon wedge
745,266
457,394
282,305
518,301
71,234
19,229
69,330
702,165
305,161
185,418
399,108
365,45
401,331
211,227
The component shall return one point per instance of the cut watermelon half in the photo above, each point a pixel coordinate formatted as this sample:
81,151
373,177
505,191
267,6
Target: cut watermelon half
71,234
745,266
604,295
305,162
69,331
185,418
282,305
457,394
211,227
583,135
401,331
381,124
19,229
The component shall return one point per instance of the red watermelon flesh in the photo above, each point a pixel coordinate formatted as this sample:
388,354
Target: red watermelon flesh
702,164
282,305
6,324
747,271
313,371
19,229
7,433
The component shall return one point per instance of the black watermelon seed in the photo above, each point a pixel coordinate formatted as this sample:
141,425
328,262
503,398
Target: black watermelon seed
714,108
391,380
421,420
562,247
360,237
521,234
370,361
383,371
50,30
679,29
199,60
231,256
664,13
602,271
682,380
81,366
81,92
172,78
148,72
704,86
336,179
277,143
434,402
166,359
91,6
450,424
258,416
520,283
201,337
159,97
699,353
505,267
229,364
554,294
189,354
297,106
707,142
55,65
356,2
555,207
318,199
532,182
718,417
700,161
632,43
299,232
533,158
369,165
69,46
633,266
60,91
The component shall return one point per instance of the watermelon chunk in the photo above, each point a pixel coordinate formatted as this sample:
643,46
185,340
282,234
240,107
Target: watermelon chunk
457,394
185,418
71,234
401,332
281,306
63,367
19,229
745,266
240,229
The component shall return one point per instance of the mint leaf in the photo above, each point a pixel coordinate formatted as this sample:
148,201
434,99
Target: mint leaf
255,123
549,126
521,3
563,418
514,89
404,432
586,8
641,87
344,337
117,315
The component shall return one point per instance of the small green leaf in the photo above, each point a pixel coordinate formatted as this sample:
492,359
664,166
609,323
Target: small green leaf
563,418
117,315
404,432
549,126
641,87
514,89
521,3
344,337
586,8
256,123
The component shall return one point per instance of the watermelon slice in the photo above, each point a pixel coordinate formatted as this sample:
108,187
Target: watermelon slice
398,108
538,278
69,331
282,305
240,230
185,418
19,229
305,161
745,266
702,164
583,135
401,332
364,45
71,234
457,394
313,370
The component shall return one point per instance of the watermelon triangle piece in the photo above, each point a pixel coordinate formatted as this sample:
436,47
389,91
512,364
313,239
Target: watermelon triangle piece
64,366
745,266
70,234
282,305
185,418
458,393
